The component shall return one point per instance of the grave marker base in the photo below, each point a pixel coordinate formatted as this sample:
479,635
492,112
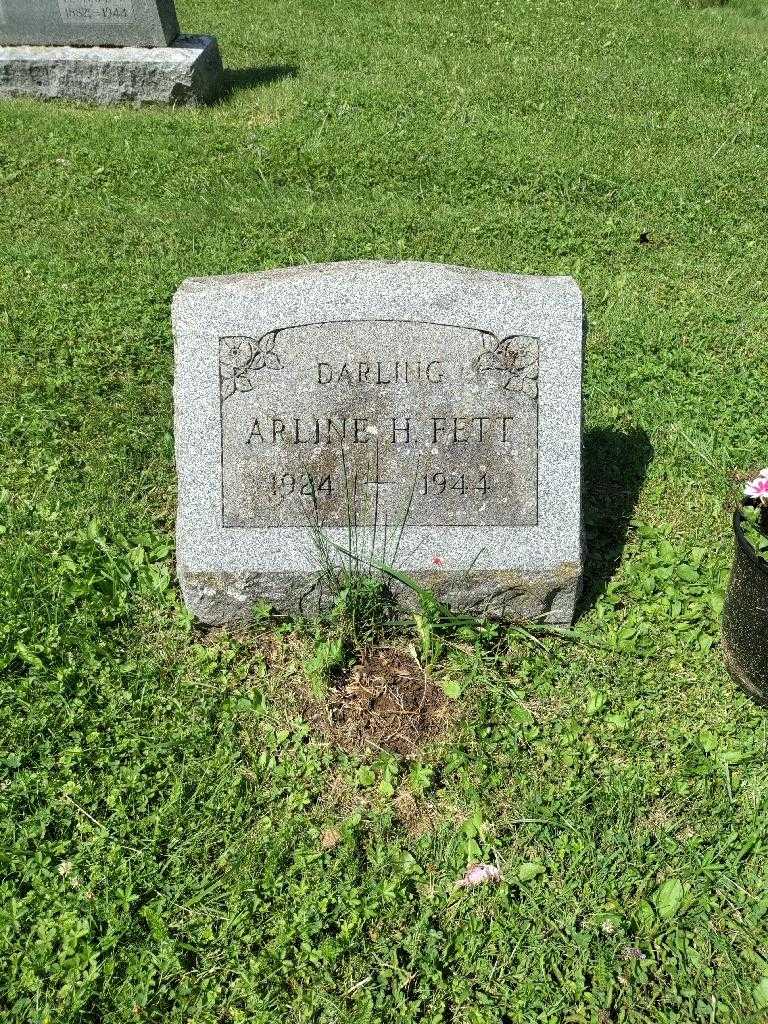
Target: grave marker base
189,72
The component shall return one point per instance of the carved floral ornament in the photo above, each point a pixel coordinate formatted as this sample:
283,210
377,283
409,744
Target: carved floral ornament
242,358
514,359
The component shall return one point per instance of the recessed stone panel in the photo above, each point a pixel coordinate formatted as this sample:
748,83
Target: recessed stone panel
431,423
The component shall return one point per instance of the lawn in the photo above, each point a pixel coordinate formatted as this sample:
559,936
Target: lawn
178,842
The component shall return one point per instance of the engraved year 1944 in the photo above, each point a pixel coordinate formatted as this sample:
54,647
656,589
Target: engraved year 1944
462,483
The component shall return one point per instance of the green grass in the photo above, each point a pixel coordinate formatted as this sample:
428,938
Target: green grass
161,804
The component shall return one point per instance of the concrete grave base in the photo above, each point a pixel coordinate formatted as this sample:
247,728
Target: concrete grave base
187,73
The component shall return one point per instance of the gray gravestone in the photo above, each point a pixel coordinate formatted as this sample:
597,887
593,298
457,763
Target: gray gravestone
105,52
344,400
88,22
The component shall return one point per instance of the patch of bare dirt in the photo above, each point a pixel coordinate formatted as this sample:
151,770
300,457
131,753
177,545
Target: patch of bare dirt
386,701
418,817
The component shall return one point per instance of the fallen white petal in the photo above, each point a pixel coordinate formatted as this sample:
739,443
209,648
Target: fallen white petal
478,874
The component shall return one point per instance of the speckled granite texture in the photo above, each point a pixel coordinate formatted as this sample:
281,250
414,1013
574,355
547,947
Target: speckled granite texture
188,73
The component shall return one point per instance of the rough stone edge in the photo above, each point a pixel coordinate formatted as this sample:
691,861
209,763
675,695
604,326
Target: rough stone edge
187,73
545,597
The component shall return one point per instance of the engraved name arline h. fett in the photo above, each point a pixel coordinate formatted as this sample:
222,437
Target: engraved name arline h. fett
396,430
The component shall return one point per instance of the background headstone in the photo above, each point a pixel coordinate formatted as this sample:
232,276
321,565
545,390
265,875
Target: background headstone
348,398
105,52
88,22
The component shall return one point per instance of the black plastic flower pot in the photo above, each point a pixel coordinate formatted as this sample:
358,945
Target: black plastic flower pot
745,619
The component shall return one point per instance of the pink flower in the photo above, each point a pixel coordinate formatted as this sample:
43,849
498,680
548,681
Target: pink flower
437,560
477,874
758,488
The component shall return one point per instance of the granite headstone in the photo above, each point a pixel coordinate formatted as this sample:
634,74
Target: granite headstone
427,408
105,52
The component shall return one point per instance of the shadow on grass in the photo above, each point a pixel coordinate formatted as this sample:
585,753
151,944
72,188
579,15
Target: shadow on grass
615,465
236,79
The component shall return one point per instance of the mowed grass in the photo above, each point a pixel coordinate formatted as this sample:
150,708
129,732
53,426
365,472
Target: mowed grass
177,845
